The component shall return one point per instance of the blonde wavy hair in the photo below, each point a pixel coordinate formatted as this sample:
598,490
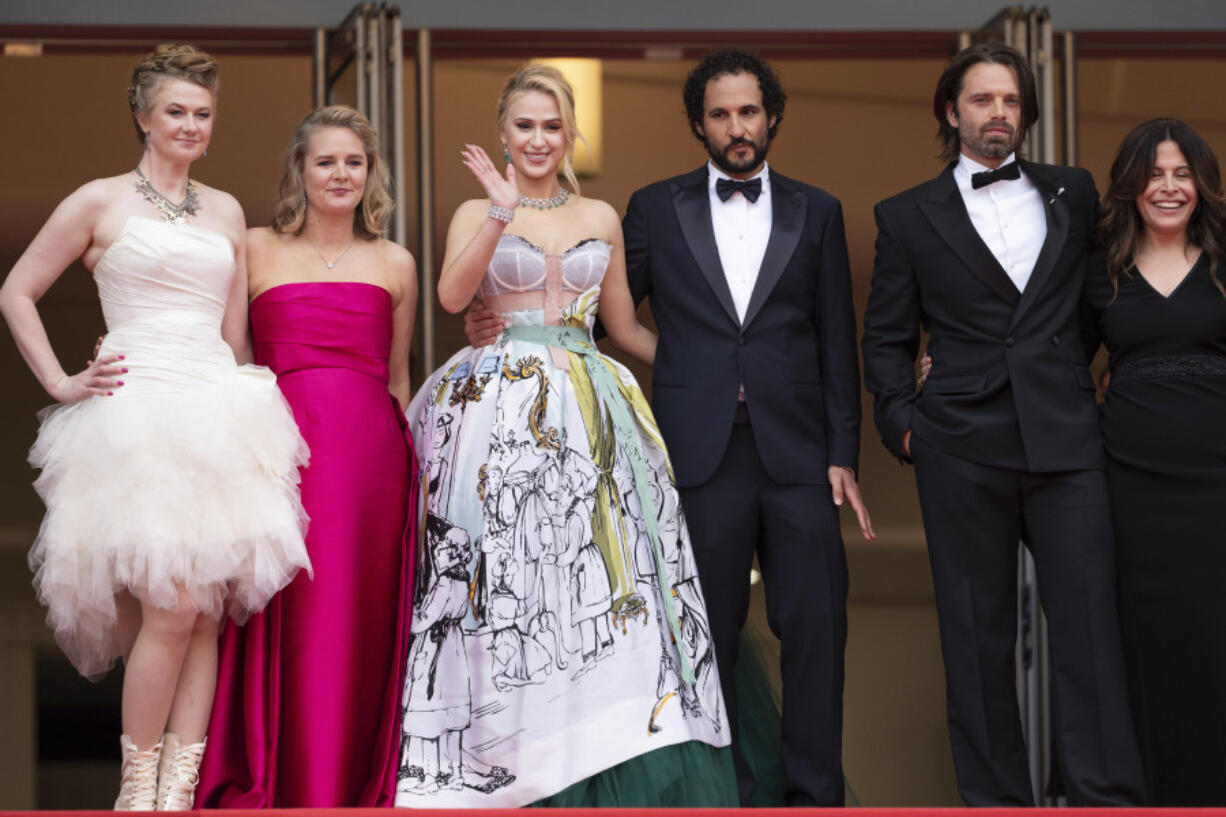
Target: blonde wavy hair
547,80
185,62
371,216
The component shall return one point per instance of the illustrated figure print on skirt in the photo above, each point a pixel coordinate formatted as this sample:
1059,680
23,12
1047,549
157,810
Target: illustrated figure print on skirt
435,716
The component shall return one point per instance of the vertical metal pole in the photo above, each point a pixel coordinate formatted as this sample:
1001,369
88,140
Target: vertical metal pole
964,40
1014,29
1070,98
319,68
1045,58
425,193
1034,687
360,64
1043,690
372,55
396,58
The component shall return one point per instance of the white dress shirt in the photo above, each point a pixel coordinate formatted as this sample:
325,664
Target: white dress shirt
1009,217
742,230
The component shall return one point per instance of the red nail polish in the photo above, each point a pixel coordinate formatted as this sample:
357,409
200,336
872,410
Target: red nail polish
119,383
121,357
110,394
124,371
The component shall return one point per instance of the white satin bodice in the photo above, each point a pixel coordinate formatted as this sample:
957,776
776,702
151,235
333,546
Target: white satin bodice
158,272
163,289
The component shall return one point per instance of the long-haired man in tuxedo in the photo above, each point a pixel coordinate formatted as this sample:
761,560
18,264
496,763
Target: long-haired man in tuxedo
989,258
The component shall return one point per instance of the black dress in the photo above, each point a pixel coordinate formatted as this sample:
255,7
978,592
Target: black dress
1164,430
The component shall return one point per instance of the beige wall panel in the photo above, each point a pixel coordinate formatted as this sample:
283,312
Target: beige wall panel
895,742
1117,94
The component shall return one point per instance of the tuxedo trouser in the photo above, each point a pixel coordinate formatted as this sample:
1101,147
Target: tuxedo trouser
795,531
974,516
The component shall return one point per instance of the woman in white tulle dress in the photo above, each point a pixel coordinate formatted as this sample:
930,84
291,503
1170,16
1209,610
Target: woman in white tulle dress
169,470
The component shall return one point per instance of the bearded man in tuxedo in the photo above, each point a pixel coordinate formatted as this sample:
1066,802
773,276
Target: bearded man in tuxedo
989,257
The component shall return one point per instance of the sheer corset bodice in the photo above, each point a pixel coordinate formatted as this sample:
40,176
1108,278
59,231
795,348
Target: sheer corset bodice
532,286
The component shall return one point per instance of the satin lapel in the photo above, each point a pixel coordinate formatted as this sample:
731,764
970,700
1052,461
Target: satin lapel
1056,210
947,213
788,207
690,198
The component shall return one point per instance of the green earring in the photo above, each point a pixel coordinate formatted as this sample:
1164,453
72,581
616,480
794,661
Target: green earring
506,154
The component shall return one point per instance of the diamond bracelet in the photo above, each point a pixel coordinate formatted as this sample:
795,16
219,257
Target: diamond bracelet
502,214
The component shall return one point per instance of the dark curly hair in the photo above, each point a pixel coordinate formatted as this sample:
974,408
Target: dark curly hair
1120,227
950,85
732,61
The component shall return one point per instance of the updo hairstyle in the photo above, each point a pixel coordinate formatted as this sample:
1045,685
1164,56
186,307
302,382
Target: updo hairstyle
185,62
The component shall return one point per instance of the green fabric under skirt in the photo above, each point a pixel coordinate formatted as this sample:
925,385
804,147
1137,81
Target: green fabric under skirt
759,700
691,774
760,735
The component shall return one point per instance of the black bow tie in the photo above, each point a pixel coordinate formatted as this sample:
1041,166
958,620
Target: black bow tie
1008,172
724,188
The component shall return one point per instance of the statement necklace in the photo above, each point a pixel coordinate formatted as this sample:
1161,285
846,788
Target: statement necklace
322,257
556,200
174,213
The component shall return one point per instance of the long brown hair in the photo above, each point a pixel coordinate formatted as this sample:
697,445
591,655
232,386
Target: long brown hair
372,214
950,85
1120,227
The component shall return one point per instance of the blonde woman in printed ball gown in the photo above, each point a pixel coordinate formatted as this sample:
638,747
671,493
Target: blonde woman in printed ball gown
308,701
170,466
561,652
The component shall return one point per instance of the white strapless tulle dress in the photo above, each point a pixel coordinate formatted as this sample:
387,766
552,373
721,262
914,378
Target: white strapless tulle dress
186,480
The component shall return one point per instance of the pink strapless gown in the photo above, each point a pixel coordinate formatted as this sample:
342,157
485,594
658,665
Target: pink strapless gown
308,699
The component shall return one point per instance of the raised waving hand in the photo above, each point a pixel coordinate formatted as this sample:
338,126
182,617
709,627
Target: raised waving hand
502,191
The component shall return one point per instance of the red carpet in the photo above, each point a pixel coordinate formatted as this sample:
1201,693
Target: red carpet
674,812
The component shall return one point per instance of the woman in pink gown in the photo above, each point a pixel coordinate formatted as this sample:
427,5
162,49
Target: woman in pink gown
307,710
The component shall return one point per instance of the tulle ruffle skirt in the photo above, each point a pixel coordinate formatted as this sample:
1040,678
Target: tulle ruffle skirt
151,495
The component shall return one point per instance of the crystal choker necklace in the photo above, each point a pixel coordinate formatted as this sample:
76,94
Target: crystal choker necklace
174,213
556,200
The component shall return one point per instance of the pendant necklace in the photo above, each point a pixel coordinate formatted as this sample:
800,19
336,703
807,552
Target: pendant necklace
167,209
556,200
322,257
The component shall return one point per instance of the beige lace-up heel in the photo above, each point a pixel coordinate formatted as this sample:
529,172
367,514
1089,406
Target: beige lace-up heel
138,783
178,774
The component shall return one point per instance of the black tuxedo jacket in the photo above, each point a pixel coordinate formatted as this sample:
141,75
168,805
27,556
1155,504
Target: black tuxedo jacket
794,353
1009,385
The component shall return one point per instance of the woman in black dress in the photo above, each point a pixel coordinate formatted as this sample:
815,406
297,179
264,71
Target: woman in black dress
1160,309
